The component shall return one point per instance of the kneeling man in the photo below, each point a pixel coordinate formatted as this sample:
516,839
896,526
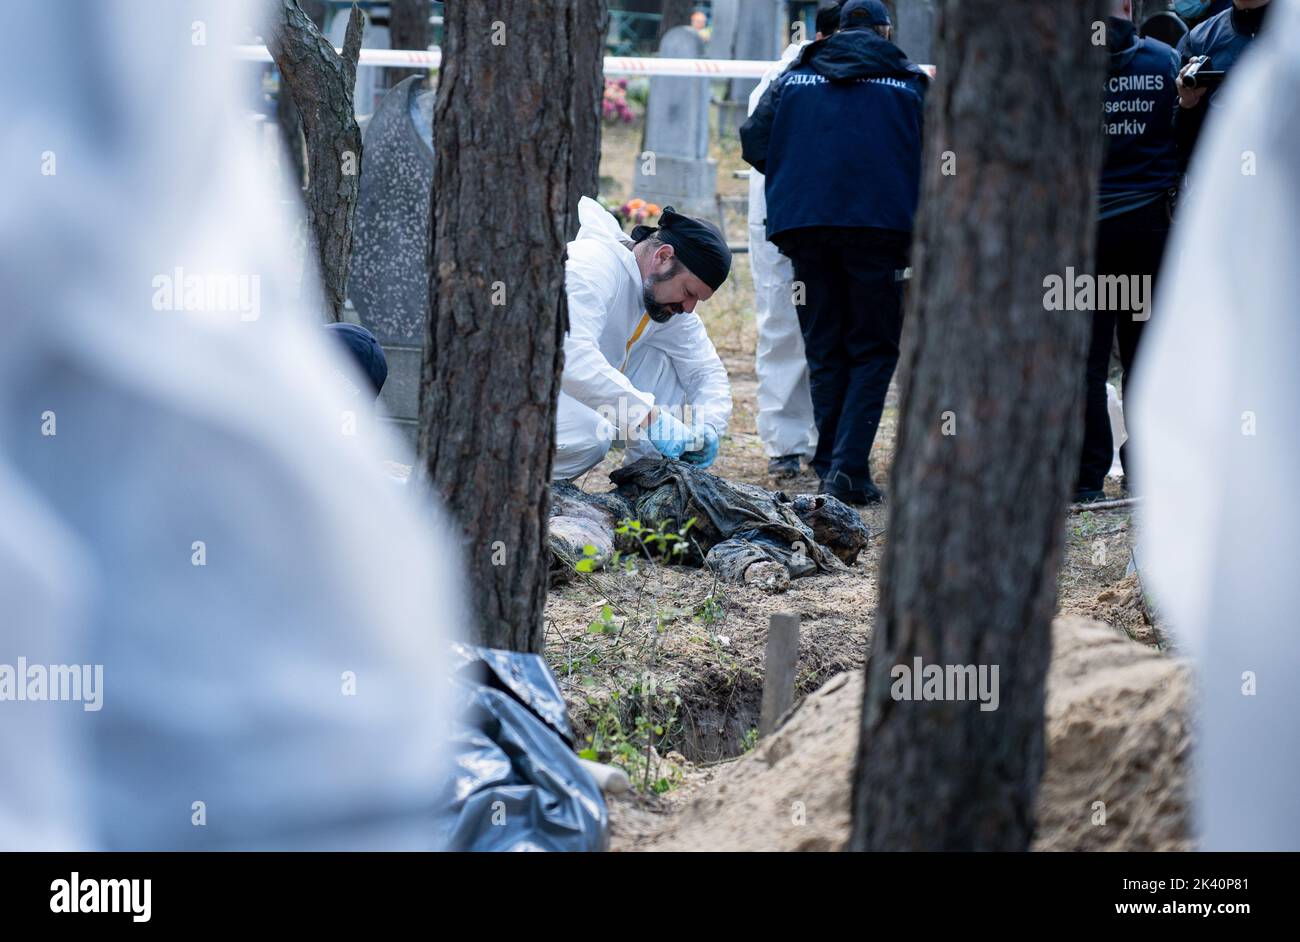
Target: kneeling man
639,367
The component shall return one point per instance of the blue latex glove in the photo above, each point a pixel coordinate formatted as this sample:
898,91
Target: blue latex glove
704,455
670,436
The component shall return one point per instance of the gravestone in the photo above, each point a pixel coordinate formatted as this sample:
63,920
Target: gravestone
389,281
675,168
761,33
723,20
914,29
722,28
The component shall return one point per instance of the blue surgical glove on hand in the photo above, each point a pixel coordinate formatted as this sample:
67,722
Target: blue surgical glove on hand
704,455
670,436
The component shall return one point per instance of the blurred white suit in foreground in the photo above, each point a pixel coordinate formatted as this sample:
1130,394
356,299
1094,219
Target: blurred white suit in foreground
269,611
1218,399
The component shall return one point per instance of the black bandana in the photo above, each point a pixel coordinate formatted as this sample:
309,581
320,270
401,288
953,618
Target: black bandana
697,243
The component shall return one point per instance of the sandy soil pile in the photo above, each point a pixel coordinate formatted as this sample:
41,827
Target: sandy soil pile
1121,605
1117,731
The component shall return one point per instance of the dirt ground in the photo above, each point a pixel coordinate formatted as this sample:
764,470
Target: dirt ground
662,667
1115,777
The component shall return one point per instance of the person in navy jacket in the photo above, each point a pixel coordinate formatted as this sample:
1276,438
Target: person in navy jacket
838,137
1223,38
1139,176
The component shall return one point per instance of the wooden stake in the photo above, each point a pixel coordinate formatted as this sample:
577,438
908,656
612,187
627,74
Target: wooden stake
779,675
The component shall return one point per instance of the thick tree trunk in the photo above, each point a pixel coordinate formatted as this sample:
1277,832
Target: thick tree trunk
408,28
674,13
990,428
290,124
321,84
514,136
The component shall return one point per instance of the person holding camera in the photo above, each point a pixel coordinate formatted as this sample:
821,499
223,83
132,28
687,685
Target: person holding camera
1221,39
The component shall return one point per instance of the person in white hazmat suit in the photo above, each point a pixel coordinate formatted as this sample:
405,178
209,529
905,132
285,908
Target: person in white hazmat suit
785,413
639,368
251,621
1218,399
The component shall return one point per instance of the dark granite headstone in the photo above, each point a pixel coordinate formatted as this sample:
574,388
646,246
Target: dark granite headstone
389,281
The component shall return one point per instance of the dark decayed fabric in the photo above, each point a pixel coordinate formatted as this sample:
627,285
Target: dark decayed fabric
736,524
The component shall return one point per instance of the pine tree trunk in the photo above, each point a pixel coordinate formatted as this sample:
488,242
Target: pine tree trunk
408,28
321,84
290,124
990,428
515,125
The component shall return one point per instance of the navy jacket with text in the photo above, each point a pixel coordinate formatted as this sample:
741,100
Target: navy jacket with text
1141,97
838,136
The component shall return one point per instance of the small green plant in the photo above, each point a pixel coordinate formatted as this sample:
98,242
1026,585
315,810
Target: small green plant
632,723
605,624
710,610
590,557
749,740
662,540
650,712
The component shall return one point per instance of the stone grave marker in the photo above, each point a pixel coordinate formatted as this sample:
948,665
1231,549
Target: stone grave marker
388,284
675,168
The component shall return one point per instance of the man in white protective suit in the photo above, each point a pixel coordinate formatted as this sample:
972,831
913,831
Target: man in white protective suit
785,412
1218,400
639,368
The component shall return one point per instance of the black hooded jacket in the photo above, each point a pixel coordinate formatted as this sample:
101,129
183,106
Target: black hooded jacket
838,136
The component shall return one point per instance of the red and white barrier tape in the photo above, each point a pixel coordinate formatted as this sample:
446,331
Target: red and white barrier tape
614,65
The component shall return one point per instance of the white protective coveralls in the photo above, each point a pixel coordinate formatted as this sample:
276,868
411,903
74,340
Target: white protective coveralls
1216,402
618,363
785,412
181,504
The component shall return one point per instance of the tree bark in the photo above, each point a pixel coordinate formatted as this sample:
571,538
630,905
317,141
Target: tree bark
321,83
674,13
515,120
408,28
290,124
990,428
